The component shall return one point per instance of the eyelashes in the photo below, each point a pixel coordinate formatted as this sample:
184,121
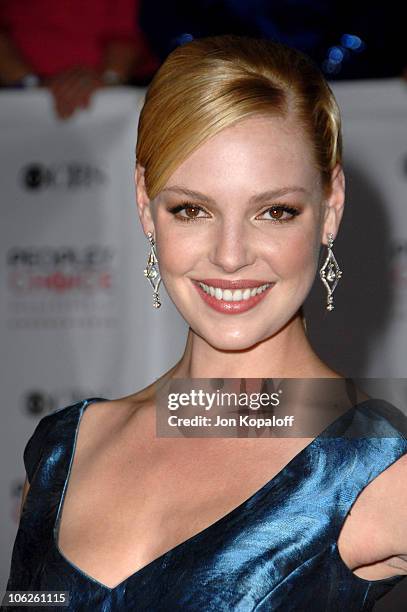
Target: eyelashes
283,208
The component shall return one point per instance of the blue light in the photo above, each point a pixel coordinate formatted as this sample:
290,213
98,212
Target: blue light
350,41
184,38
331,67
335,55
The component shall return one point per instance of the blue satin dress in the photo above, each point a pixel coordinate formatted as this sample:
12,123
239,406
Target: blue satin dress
276,551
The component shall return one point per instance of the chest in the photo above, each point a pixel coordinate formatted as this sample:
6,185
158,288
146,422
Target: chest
126,506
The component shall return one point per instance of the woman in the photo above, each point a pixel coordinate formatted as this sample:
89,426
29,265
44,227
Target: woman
239,182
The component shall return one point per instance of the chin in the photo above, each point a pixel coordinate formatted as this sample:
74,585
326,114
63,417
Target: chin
231,341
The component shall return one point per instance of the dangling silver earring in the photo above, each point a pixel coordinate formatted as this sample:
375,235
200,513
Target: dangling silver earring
152,271
330,273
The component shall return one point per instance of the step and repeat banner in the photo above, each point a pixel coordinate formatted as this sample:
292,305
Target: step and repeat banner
76,311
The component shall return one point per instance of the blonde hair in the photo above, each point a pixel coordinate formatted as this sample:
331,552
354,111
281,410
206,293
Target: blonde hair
207,84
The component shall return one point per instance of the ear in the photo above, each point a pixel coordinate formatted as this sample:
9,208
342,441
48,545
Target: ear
143,201
334,204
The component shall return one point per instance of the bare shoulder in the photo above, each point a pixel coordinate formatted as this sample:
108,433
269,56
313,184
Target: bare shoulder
109,414
105,423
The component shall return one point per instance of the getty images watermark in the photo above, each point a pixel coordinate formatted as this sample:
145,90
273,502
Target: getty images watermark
221,407
285,407
212,401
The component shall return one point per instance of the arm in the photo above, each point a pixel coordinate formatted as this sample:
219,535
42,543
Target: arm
124,41
386,504
12,66
398,534
120,58
122,49
24,494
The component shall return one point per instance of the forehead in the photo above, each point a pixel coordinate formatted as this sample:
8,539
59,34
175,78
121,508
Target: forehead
269,151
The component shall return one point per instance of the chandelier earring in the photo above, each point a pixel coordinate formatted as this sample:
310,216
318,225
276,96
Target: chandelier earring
152,271
330,273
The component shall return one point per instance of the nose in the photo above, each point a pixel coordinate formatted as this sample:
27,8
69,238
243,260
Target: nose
233,247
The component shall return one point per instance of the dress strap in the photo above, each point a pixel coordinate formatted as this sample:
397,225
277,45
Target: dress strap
52,431
357,449
37,443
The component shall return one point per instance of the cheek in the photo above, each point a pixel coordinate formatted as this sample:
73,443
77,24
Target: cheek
294,253
288,252
180,248
175,255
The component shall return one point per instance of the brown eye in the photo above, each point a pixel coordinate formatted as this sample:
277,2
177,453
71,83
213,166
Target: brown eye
192,211
276,212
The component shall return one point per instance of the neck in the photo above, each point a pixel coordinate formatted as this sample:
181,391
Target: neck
287,354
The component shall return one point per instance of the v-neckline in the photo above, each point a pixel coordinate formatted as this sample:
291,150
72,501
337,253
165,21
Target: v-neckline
200,534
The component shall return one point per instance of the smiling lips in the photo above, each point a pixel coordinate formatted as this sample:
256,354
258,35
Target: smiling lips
232,297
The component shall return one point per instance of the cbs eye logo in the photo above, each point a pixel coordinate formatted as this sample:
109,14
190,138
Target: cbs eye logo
37,403
36,176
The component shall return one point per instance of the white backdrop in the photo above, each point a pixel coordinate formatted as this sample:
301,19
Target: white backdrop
76,311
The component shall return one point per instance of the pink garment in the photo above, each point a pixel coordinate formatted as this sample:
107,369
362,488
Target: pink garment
54,35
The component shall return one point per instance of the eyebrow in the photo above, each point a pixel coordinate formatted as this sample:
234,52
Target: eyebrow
257,198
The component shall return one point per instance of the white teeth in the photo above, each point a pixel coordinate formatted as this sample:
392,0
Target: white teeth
218,292
233,296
